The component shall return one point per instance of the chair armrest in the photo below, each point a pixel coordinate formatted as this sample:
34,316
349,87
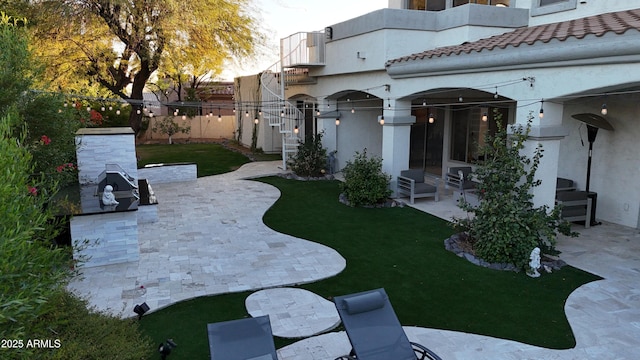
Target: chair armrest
423,352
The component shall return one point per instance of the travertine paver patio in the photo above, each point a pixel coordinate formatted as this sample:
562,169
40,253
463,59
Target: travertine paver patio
210,239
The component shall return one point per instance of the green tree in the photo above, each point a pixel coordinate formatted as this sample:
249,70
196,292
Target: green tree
505,226
16,66
170,127
122,44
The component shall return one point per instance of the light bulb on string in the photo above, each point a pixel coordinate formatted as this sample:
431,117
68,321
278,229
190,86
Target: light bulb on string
118,112
184,117
484,117
353,111
541,114
295,129
424,102
495,96
431,118
337,121
604,110
382,120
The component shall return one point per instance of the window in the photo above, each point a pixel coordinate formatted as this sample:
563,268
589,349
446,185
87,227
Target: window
428,5
550,2
504,3
542,7
469,132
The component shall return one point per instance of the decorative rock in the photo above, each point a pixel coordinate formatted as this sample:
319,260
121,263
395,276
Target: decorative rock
453,244
294,313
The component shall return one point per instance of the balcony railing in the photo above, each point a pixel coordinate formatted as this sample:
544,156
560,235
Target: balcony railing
303,49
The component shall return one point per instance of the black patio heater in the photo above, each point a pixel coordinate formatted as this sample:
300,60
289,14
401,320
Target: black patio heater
593,122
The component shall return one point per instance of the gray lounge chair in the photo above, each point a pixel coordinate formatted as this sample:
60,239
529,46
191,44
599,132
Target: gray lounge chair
374,330
243,339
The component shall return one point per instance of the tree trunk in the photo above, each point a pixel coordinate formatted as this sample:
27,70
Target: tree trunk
137,95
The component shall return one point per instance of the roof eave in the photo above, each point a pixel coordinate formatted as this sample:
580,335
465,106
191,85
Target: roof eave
588,50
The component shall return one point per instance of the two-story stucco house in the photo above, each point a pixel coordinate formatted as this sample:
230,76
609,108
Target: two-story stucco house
417,84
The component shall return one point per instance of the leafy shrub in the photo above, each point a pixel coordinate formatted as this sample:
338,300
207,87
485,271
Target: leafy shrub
364,181
506,227
311,158
85,333
30,267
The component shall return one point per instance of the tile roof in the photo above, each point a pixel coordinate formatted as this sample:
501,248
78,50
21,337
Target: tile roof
598,25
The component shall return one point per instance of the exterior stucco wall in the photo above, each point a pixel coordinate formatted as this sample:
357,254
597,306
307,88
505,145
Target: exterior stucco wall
615,168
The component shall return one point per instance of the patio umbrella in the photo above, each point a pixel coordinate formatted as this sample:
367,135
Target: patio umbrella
594,122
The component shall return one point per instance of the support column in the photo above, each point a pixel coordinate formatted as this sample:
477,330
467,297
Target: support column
546,131
396,135
327,124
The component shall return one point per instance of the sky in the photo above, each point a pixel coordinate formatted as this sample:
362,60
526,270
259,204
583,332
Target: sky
281,18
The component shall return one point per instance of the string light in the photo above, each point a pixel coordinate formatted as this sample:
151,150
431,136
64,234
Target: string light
604,110
541,114
353,111
424,102
484,116
295,129
431,118
337,121
382,120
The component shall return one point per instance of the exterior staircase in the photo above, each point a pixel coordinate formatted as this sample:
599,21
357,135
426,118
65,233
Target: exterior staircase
281,113
298,52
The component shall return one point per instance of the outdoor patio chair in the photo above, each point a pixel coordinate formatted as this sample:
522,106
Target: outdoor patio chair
416,184
374,330
243,339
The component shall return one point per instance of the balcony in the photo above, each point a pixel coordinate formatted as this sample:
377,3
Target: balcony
303,49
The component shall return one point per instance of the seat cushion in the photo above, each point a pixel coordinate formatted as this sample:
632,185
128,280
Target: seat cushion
425,188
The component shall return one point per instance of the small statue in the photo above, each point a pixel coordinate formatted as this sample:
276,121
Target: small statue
331,162
534,263
107,196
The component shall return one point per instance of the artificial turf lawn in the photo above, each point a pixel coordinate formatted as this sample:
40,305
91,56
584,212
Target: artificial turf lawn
400,249
211,158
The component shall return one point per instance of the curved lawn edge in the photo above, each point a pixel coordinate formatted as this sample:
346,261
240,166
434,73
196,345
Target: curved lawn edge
401,249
